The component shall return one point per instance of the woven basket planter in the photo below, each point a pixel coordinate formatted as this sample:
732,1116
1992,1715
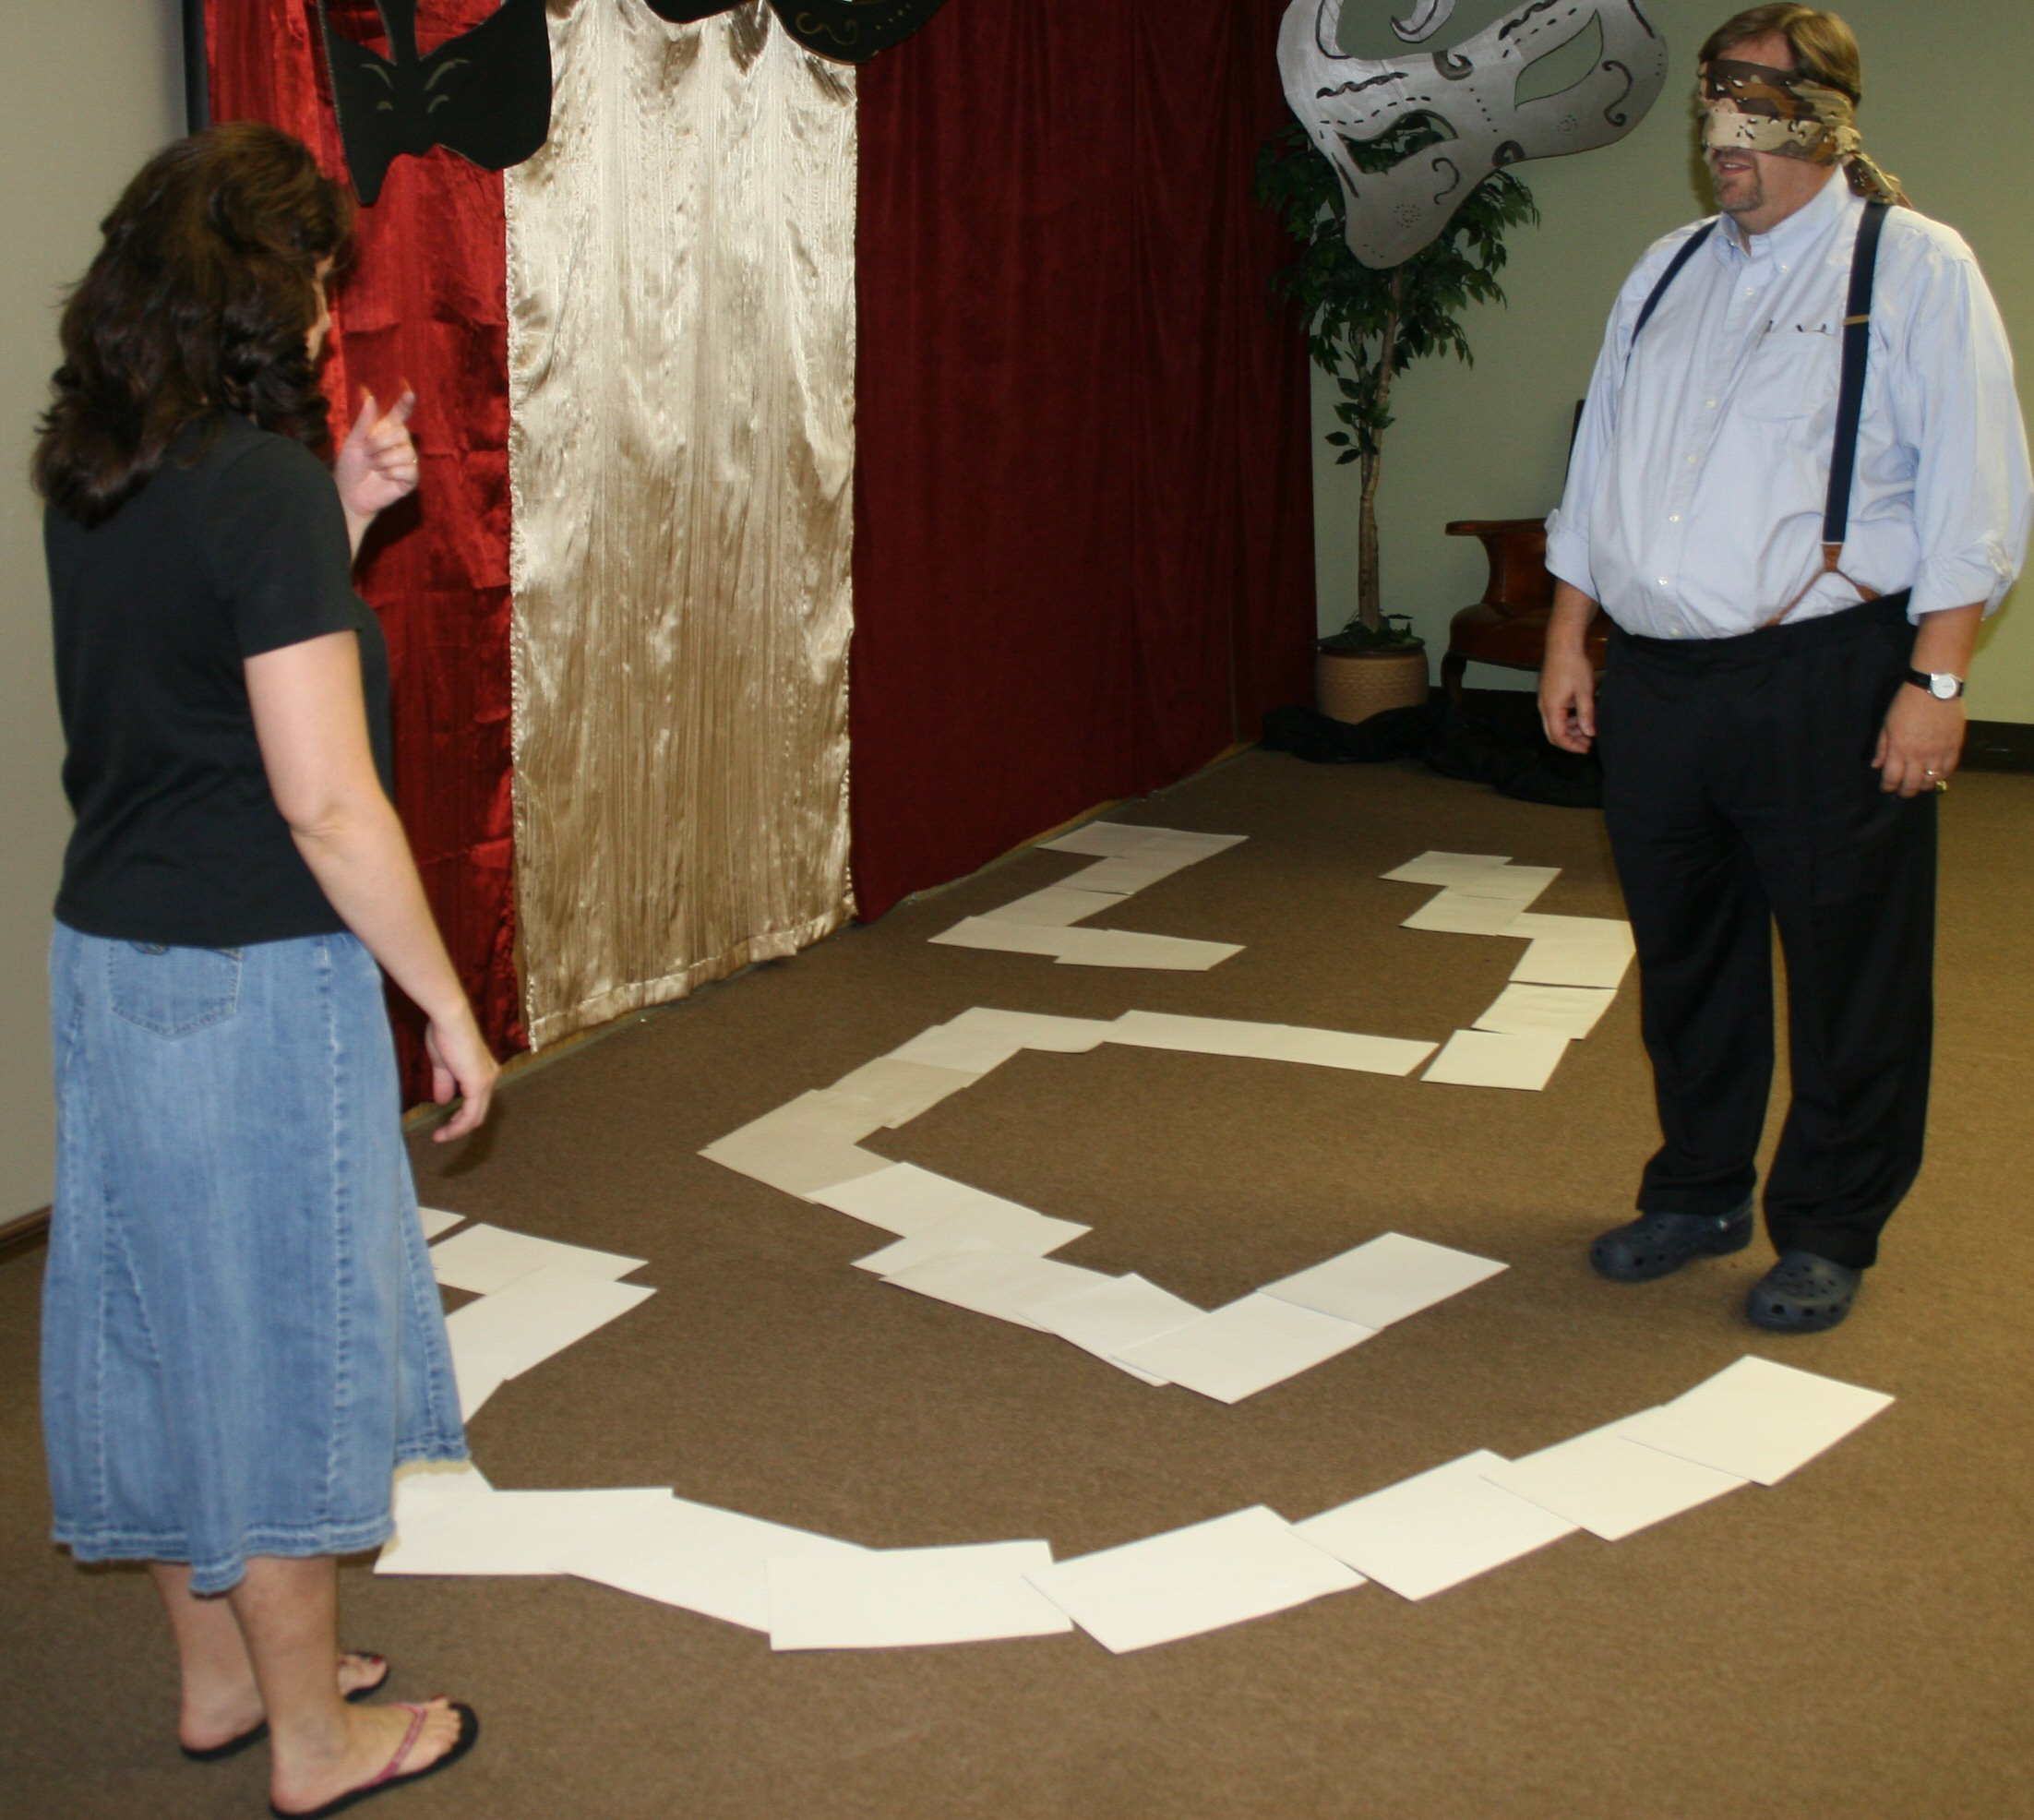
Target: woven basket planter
1352,686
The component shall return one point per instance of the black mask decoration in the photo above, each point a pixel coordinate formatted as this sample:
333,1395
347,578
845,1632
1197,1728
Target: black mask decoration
484,94
846,30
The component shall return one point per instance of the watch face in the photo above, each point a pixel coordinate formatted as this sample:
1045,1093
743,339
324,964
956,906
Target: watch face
1942,688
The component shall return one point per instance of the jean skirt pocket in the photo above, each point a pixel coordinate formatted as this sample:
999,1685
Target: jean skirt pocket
172,991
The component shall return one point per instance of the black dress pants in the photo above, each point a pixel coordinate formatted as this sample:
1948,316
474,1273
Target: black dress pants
1739,794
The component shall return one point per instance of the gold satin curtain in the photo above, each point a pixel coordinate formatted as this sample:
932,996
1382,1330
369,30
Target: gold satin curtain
681,298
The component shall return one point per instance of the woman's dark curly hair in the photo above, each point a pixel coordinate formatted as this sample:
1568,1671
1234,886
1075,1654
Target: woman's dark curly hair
201,300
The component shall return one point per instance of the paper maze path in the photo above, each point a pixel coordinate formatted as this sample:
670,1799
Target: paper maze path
1046,922
1561,984
956,1244
1581,957
1754,1423
980,1251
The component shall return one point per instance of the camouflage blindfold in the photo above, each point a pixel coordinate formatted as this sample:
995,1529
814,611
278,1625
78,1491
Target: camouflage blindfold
1754,107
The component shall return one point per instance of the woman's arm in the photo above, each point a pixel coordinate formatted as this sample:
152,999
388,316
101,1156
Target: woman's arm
312,726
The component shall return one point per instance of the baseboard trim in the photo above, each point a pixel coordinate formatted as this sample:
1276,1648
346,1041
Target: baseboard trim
25,1233
1988,744
1999,746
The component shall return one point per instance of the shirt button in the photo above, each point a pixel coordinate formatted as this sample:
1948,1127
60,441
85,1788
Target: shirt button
1693,460
1663,581
1750,292
1710,404
1673,517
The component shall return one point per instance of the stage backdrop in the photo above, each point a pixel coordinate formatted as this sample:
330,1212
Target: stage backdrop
1078,467
681,352
1084,558
422,303
670,674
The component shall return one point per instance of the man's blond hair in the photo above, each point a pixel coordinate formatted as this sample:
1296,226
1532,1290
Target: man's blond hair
1825,46
1825,51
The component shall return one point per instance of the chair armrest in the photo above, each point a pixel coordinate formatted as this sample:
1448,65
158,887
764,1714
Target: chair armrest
1492,527
1516,551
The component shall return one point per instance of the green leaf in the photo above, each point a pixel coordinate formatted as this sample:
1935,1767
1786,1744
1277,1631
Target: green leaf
1345,310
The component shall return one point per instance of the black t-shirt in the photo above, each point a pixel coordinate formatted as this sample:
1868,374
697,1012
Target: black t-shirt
238,551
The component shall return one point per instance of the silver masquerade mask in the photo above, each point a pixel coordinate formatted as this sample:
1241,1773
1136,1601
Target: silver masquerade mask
1472,88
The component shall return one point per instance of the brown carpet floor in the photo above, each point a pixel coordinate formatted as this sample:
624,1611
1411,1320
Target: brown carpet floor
1855,1641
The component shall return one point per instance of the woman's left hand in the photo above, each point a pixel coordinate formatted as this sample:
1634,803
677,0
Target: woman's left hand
377,462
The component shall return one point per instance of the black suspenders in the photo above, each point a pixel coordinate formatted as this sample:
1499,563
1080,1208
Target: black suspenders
1665,278
1856,344
1856,341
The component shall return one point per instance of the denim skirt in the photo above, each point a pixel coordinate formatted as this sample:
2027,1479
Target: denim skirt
241,1334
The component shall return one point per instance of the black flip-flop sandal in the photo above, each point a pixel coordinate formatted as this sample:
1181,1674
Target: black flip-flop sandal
391,1775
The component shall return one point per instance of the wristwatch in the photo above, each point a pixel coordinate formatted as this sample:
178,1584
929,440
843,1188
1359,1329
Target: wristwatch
1938,683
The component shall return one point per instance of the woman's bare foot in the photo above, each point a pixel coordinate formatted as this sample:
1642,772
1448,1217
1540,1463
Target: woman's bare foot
306,1774
211,1717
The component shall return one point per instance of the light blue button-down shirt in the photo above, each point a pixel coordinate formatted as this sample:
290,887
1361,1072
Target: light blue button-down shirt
1695,500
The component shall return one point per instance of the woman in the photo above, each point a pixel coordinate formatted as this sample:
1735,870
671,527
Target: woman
241,1333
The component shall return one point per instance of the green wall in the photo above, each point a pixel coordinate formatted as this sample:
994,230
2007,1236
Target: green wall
1947,107
100,86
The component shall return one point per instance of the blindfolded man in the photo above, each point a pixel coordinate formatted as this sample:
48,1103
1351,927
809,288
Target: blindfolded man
1800,483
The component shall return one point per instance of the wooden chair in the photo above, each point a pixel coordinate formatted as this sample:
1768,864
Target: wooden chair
1508,626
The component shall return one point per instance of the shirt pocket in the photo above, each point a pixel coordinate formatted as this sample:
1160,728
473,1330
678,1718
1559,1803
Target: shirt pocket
1792,377
172,991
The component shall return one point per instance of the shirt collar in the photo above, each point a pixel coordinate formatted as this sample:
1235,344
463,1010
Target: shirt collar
1791,239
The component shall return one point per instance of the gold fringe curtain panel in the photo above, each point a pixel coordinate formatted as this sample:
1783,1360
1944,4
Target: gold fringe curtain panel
680,279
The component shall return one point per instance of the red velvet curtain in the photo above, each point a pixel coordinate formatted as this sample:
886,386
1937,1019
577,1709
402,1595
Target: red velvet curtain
1084,533
424,303
1083,525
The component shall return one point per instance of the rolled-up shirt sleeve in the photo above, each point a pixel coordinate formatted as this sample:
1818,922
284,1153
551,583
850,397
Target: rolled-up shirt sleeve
1954,402
1568,524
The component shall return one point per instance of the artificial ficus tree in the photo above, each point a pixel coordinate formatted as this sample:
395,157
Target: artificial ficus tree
1364,325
